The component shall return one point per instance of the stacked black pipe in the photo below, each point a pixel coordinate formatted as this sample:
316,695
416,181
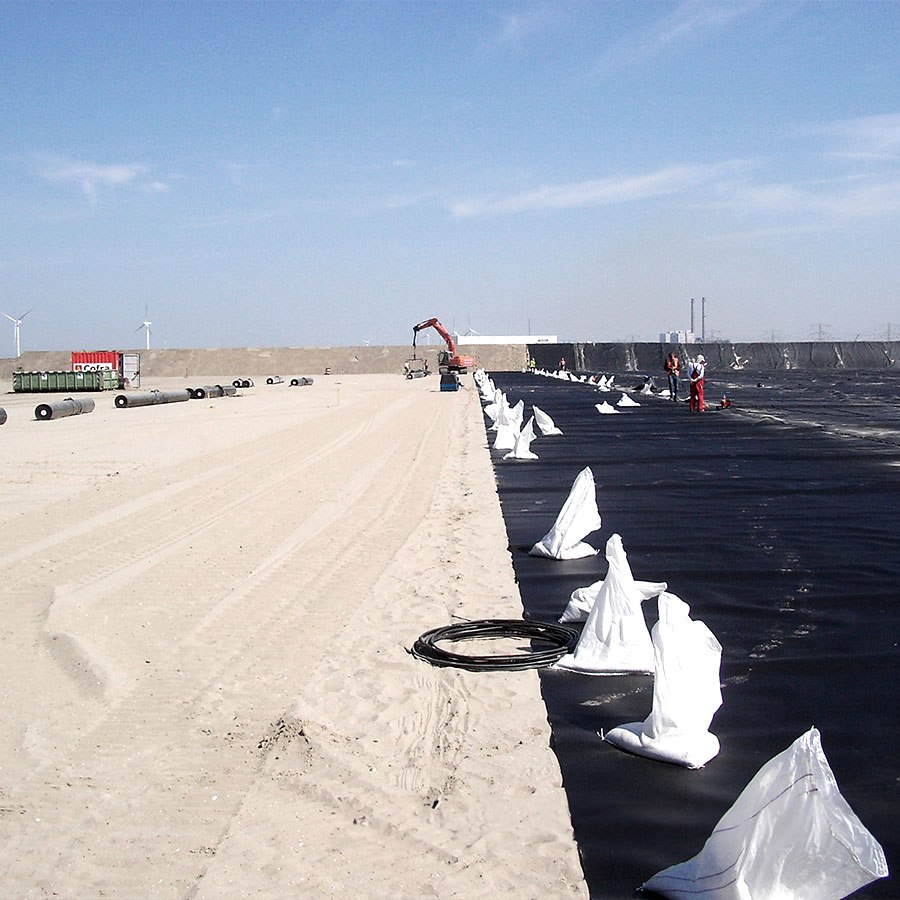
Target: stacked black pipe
152,398
212,390
71,406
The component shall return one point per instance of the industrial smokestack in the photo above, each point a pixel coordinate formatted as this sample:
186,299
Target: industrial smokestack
692,315
703,318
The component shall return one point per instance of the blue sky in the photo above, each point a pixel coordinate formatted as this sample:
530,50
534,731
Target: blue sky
316,173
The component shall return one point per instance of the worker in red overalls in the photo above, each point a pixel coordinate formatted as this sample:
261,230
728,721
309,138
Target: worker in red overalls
697,372
673,372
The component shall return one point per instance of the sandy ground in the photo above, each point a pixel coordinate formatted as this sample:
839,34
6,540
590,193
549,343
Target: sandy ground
206,690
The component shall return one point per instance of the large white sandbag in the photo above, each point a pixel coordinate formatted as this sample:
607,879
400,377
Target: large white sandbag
605,409
507,429
578,517
625,400
544,422
583,599
492,410
790,834
522,447
686,692
516,414
615,638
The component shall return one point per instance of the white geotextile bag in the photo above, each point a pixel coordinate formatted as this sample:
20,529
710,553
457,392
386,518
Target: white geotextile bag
790,834
516,414
507,432
544,422
615,639
492,410
686,692
605,409
578,517
583,599
522,447
625,400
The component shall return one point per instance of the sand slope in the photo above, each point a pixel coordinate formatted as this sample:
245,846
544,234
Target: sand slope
206,690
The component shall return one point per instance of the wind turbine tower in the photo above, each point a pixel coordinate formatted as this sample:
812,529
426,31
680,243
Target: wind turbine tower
145,324
17,322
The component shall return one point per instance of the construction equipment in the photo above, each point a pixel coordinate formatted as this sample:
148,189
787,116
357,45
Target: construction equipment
448,360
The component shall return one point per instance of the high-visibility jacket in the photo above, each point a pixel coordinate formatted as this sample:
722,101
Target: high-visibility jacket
672,364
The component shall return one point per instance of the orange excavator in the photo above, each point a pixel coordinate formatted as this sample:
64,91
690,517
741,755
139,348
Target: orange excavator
448,360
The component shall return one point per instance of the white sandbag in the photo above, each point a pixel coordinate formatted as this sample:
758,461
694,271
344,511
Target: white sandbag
646,390
522,447
602,385
582,599
507,430
516,414
544,422
615,638
605,409
686,692
625,400
790,834
578,517
492,410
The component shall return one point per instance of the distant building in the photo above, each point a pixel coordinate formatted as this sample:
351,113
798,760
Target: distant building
505,338
677,337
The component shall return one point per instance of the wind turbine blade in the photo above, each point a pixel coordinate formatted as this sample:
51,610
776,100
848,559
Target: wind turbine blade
26,313
139,327
8,316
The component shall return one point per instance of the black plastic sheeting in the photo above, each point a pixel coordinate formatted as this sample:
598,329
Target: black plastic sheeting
776,521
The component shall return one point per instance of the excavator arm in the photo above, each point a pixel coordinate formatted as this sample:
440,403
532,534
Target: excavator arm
436,325
449,360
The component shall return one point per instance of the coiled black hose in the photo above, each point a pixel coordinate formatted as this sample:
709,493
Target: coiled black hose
562,640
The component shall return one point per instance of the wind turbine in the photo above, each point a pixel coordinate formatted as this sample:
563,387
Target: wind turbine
17,323
145,324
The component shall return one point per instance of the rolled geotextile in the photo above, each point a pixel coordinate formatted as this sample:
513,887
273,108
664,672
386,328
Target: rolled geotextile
2,416
71,406
301,382
151,398
274,379
246,382
209,390
238,382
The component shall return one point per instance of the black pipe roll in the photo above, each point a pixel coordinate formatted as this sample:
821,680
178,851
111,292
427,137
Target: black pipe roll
71,406
152,398
2,416
209,390
274,379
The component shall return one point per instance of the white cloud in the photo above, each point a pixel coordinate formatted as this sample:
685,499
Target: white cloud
867,137
520,25
92,177
851,198
155,187
690,21
602,191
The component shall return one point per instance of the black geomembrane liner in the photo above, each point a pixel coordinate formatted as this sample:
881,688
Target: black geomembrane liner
777,521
